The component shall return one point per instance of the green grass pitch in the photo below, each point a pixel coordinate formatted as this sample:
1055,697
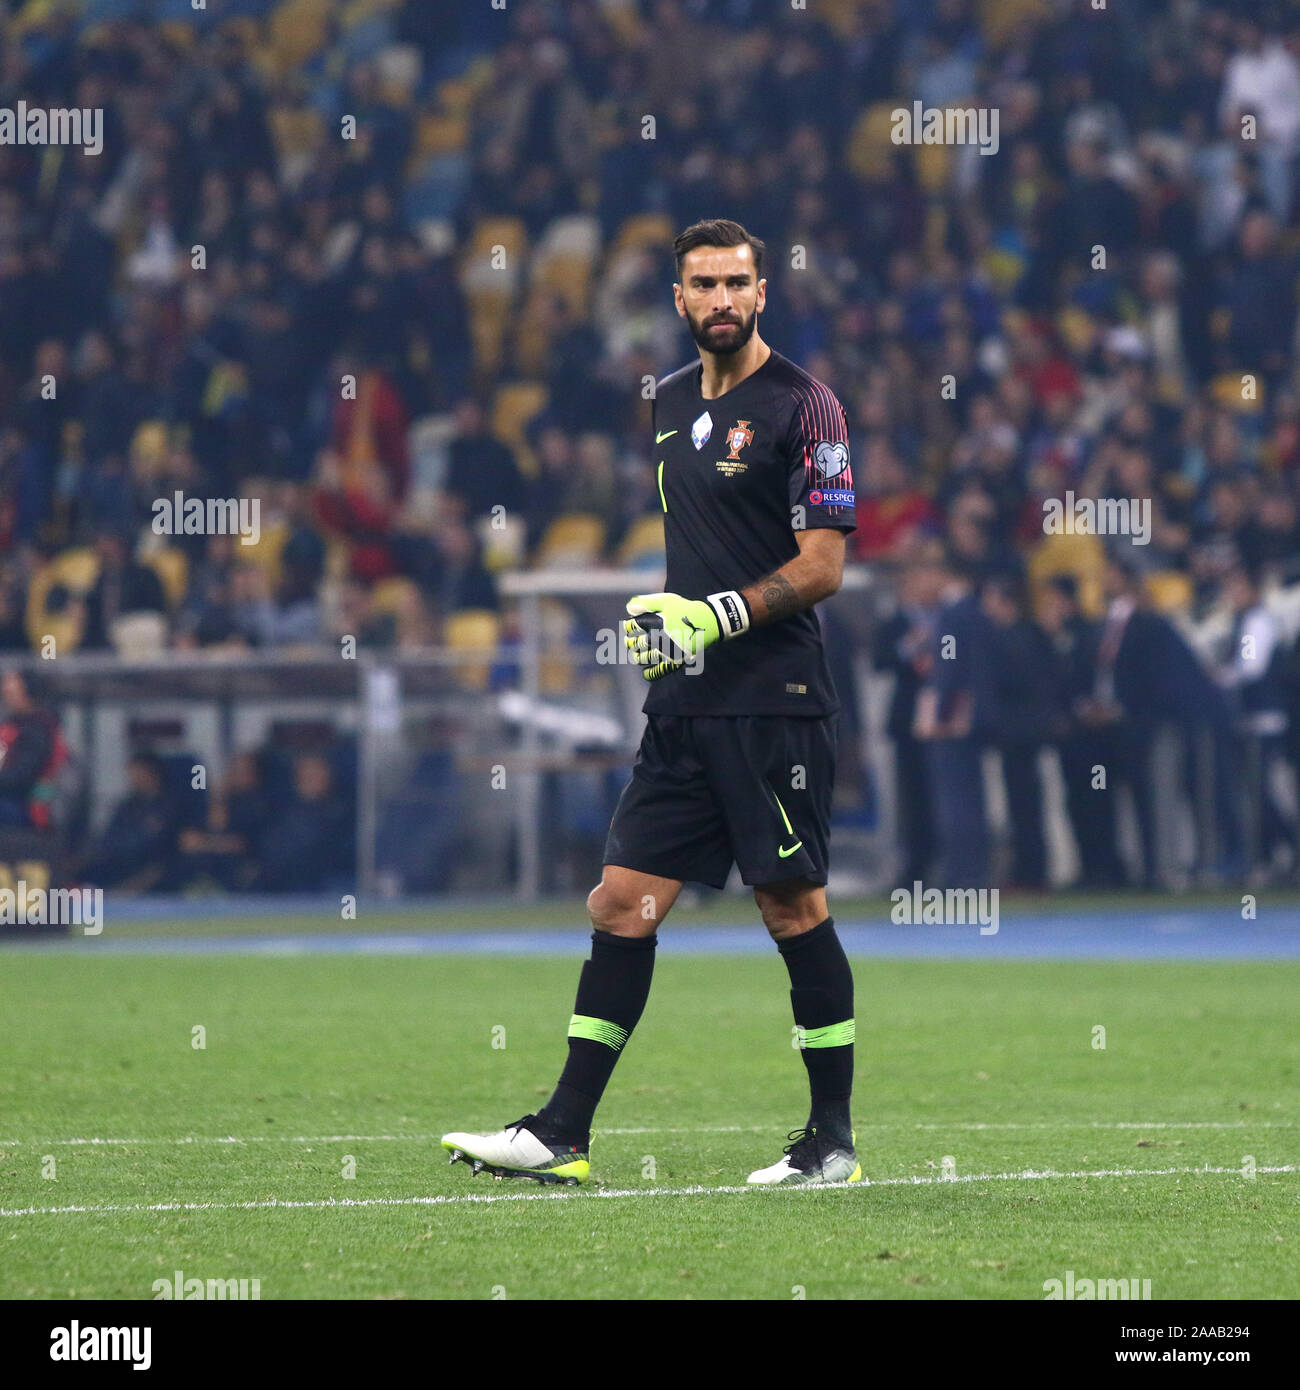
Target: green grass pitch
316,1066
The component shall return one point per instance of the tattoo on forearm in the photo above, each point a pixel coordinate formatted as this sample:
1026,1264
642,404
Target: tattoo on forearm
780,597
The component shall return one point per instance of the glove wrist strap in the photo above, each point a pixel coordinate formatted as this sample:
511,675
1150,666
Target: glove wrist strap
731,611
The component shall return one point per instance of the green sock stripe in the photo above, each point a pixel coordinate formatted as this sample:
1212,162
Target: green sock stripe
833,1035
599,1030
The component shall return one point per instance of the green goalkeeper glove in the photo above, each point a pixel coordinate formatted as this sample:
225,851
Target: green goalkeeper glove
666,631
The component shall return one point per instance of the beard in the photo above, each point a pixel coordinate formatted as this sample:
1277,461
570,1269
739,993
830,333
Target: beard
725,342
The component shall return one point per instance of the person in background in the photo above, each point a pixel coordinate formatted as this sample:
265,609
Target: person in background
238,816
123,586
904,645
892,508
953,713
444,557
137,850
13,628
310,843
32,750
1148,677
480,468
1081,746
1251,672
1022,719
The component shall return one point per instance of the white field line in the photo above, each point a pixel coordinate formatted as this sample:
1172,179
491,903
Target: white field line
1029,1175
693,1129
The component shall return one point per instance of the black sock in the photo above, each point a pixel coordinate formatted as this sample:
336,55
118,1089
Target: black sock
612,991
821,993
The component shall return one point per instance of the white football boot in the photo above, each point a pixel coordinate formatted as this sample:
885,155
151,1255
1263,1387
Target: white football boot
810,1161
516,1152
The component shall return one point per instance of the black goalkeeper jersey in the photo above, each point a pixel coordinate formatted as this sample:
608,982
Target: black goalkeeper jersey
738,476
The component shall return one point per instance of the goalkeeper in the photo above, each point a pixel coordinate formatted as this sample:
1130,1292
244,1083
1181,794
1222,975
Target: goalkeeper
737,761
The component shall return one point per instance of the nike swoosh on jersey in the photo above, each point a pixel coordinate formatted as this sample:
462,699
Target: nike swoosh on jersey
668,434
786,853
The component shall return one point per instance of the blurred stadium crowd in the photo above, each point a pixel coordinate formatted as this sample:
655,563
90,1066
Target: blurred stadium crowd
487,256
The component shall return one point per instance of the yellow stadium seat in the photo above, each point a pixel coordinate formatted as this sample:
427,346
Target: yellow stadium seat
298,30
643,546
575,539
392,595
1000,20
436,134
569,277
74,570
490,285
1229,389
148,449
645,229
840,16
1082,556
933,167
1170,591
1077,328
516,404
455,95
36,13
489,316
357,11
505,543
1004,268
396,92
338,558
555,671
473,630
295,131
77,568
626,25
178,33
266,553
172,569
870,147
531,341
506,232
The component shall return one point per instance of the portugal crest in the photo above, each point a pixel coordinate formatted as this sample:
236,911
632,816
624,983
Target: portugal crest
738,436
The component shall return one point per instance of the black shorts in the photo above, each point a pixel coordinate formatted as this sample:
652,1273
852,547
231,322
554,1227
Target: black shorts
707,790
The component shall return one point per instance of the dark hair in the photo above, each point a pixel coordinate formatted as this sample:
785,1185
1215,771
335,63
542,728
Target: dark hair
960,567
150,761
1127,570
1065,584
1250,570
37,685
717,231
1008,584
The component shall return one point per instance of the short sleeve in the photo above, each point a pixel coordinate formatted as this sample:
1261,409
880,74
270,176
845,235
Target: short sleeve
820,474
